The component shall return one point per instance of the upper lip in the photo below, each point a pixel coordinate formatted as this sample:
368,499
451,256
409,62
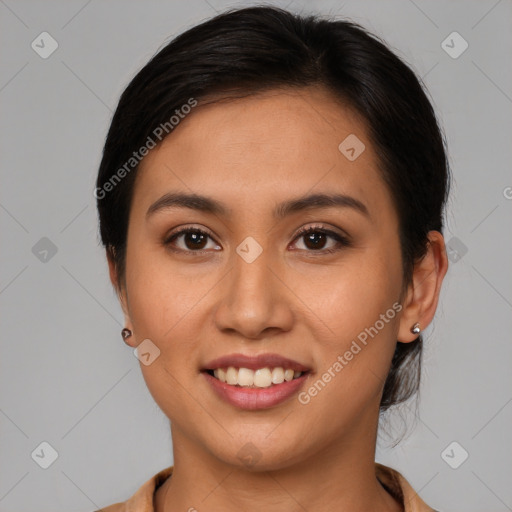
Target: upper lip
255,362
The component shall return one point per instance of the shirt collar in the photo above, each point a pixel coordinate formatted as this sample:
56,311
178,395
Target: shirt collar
392,480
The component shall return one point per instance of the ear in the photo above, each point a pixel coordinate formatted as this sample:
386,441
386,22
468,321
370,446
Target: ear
121,295
423,293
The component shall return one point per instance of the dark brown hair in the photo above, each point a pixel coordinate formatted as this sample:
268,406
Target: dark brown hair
260,48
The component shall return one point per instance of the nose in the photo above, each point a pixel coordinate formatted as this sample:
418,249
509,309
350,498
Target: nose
255,299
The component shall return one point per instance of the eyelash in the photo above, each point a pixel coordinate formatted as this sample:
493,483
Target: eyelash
342,241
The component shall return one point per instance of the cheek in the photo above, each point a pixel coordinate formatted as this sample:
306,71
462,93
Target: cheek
162,305
161,296
162,309
351,297
356,317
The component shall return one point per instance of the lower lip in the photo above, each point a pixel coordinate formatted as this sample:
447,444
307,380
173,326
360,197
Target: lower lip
255,398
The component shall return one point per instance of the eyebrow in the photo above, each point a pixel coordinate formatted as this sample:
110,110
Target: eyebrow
209,205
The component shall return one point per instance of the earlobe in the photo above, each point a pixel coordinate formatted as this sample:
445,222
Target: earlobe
424,290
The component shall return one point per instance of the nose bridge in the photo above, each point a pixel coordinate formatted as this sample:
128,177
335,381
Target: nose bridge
251,276
252,299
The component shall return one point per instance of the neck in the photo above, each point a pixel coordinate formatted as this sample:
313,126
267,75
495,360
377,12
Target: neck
337,476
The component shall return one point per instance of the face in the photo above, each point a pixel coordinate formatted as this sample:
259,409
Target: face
243,284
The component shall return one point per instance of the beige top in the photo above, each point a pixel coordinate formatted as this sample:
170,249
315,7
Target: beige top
392,480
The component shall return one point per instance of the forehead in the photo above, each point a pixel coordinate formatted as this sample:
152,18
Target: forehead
250,150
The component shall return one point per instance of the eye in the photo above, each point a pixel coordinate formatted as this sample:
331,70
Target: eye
315,238
192,240
195,240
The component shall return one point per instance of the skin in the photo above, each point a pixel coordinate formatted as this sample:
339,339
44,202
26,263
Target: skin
294,300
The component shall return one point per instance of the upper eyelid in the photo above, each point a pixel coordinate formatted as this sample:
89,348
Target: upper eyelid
325,229
300,232
182,230
297,232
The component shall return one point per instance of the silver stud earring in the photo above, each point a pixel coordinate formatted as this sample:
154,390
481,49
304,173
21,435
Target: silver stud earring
415,329
126,333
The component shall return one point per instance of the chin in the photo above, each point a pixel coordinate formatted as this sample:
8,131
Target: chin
259,454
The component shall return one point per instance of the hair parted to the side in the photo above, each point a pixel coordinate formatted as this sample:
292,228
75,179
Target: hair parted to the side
249,50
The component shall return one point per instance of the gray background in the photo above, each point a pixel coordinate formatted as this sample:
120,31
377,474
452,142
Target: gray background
67,378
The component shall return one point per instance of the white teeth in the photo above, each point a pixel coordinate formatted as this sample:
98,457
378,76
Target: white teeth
261,378
245,377
277,375
221,374
232,376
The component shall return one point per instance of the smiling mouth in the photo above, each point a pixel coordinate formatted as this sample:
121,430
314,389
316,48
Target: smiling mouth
259,378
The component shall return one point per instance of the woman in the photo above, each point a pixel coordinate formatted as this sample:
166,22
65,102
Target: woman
271,201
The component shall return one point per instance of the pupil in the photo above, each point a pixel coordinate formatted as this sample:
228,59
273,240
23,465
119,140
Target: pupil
310,238
197,238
